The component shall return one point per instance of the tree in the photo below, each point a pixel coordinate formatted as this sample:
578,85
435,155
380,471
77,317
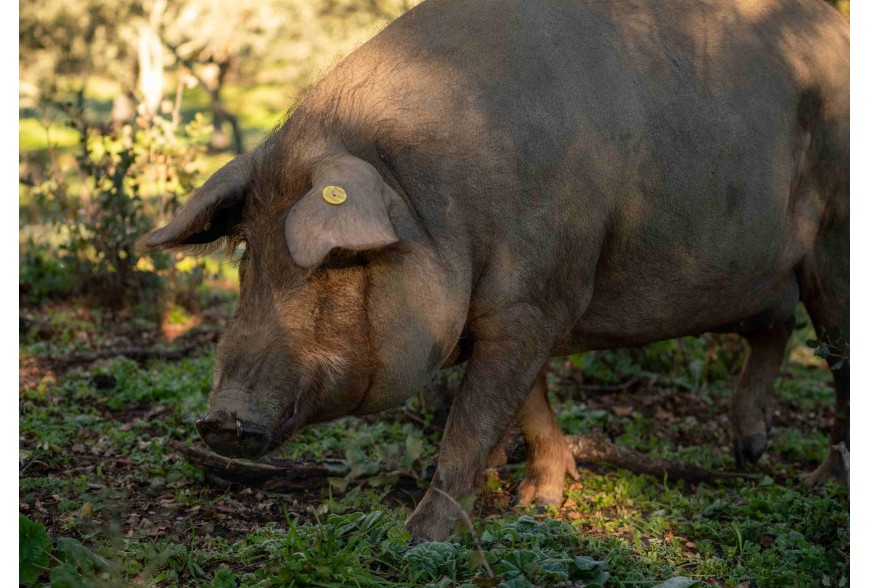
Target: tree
208,37
63,42
135,42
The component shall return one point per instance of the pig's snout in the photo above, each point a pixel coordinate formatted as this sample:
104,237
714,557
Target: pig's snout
227,435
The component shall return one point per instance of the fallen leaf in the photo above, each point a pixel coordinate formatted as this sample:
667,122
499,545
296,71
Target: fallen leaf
664,415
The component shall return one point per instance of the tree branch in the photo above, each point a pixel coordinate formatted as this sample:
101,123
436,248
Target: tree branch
596,448
289,476
276,475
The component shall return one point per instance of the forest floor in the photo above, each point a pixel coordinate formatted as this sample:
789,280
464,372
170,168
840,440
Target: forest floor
107,499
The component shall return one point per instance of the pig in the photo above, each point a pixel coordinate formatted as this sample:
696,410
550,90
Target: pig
497,182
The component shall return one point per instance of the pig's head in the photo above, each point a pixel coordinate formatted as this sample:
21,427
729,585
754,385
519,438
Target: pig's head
344,309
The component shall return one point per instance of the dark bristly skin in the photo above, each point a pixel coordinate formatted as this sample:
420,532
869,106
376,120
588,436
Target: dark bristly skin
527,179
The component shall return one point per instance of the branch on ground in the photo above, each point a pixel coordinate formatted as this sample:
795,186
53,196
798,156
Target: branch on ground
287,475
135,353
199,340
277,475
596,448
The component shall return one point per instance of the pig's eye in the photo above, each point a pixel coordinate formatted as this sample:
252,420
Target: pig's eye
238,254
241,261
343,259
235,246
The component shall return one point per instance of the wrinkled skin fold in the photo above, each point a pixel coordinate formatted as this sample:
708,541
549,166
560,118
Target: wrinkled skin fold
529,179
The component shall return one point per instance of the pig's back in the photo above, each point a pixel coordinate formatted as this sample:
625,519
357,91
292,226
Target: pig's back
659,140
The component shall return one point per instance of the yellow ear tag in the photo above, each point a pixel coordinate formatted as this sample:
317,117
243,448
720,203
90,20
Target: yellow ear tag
334,194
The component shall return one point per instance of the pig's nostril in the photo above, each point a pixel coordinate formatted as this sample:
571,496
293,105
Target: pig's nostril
231,436
214,423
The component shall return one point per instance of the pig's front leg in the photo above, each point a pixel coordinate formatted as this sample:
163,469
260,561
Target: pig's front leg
505,360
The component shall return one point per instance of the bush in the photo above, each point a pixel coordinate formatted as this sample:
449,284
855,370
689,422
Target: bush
102,200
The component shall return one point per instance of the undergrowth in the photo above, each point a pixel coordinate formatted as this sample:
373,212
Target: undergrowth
105,501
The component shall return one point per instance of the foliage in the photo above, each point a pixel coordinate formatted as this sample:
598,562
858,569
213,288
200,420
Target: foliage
95,184
42,272
81,37
841,5
139,47
33,546
77,565
690,362
127,177
98,460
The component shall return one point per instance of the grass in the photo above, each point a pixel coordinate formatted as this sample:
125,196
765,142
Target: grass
121,507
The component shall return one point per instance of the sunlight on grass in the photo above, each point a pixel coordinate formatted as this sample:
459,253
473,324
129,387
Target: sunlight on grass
32,135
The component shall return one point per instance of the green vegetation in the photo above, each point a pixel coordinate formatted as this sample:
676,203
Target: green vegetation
122,506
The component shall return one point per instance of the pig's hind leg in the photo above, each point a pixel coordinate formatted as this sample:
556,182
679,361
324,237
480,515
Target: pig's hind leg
824,276
548,457
825,281
750,403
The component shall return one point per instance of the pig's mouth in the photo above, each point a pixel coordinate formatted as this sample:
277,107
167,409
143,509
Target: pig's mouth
227,435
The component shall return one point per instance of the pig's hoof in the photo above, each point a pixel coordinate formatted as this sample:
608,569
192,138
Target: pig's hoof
434,519
834,468
530,493
749,450
545,480
423,530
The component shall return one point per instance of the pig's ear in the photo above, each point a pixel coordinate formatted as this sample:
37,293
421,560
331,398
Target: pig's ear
212,213
348,208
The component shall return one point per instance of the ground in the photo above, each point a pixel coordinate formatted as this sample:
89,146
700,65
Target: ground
122,506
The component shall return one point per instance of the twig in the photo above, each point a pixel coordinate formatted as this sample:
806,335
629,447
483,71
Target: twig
28,464
426,427
624,387
275,474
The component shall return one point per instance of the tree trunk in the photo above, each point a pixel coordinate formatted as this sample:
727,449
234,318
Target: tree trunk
123,108
151,59
213,79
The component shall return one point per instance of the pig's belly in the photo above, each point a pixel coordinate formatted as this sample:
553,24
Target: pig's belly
662,305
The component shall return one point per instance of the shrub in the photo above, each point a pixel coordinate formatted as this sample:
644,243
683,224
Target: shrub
100,201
